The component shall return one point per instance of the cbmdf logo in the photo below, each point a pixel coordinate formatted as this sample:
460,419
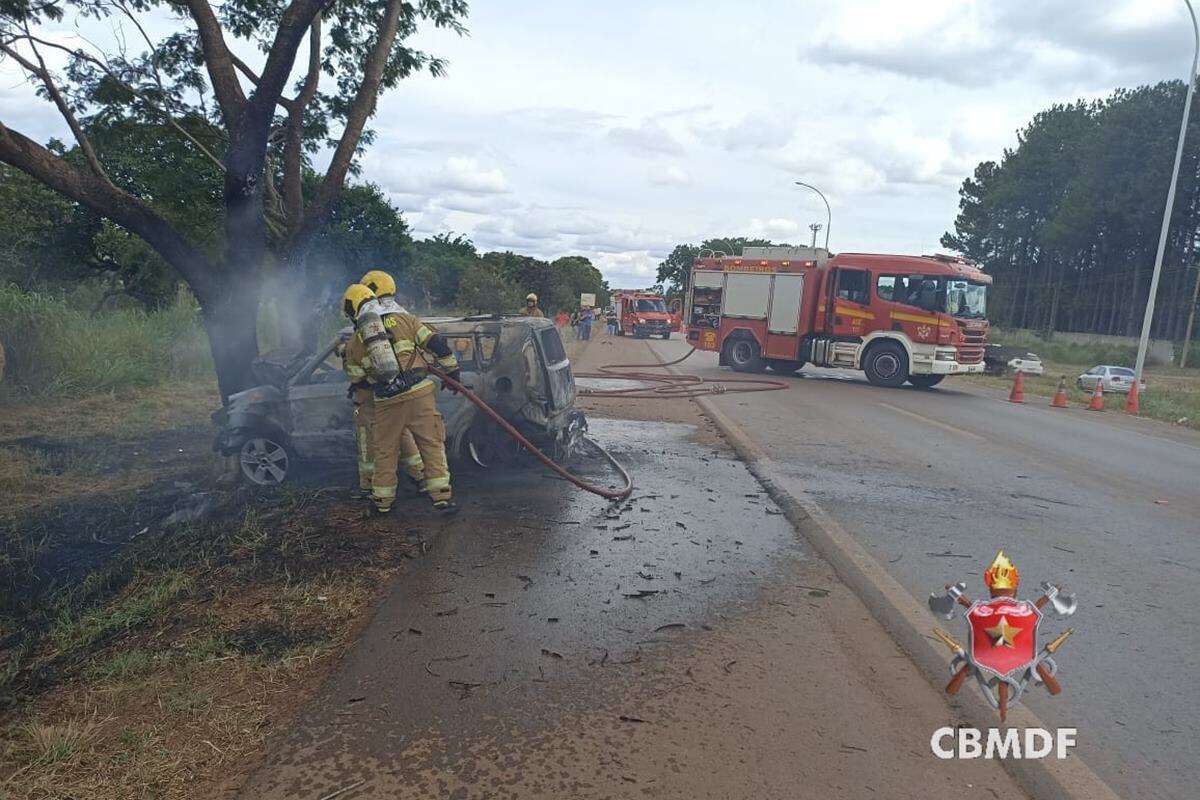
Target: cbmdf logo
1004,633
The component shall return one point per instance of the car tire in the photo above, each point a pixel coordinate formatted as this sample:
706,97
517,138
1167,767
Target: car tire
925,381
743,355
886,364
264,460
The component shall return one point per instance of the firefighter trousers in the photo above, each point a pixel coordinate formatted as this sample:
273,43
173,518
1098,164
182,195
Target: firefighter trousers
416,416
364,421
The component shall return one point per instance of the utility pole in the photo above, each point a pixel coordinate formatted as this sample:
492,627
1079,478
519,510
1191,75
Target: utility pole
1144,343
1187,337
815,227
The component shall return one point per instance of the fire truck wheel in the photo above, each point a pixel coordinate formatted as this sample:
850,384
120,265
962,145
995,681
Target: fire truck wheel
743,355
886,364
784,366
925,381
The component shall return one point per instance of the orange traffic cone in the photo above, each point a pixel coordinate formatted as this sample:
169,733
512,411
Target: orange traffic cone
1131,399
1060,397
1097,403
1017,395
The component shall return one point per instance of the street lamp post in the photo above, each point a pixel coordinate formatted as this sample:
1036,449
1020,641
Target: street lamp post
828,213
1166,223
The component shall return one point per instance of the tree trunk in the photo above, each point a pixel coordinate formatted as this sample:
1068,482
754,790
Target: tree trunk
230,316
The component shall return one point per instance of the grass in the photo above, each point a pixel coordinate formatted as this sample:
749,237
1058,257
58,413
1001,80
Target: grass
1172,394
56,348
195,644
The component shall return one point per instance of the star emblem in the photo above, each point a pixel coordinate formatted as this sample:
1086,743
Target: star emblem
1002,633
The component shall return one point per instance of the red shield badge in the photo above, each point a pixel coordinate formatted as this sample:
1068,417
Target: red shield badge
1003,635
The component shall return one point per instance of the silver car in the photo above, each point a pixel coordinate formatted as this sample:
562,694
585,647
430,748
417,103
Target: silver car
300,412
1113,379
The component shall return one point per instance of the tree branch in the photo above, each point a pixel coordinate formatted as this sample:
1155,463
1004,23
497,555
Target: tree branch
166,114
361,109
252,76
219,62
108,201
43,73
293,151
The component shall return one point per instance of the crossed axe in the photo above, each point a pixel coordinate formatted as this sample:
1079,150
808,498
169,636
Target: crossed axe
1062,606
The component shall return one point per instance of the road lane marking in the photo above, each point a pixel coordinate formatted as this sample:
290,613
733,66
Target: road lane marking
934,422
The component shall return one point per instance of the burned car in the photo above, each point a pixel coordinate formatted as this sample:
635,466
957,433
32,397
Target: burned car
300,413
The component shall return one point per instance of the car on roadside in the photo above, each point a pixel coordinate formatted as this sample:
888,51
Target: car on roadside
300,412
1030,364
1112,378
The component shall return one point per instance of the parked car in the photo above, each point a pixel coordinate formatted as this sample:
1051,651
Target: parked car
1030,364
1114,379
300,412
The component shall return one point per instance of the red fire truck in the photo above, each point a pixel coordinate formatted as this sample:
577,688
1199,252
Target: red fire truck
897,318
641,314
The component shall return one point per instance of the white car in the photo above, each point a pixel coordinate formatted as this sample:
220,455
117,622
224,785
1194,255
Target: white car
1029,363
1113,379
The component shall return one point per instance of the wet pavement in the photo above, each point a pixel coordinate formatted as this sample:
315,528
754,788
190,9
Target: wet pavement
560,578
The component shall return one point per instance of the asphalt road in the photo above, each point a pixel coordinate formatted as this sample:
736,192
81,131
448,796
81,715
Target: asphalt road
934,482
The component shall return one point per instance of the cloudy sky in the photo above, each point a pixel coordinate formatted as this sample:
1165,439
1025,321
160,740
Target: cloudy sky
616,130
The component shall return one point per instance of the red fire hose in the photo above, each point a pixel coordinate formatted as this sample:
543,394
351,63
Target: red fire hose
673,385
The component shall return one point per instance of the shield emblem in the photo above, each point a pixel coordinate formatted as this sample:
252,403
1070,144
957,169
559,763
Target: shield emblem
1003,636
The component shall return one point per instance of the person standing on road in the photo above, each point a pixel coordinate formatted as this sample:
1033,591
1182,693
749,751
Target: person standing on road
384,288
405,403
610,321
531,306
586,315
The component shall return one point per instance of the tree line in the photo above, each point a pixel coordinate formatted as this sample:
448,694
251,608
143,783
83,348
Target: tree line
1068,220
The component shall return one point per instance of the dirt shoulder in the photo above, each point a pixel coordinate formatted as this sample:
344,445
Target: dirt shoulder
684,644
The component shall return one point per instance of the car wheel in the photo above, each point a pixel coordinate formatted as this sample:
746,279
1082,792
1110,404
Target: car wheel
264,461
886,364
743,355
666,335
925,381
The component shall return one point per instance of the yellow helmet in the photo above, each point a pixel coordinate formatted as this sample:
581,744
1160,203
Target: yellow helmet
531,296
379,282
356,294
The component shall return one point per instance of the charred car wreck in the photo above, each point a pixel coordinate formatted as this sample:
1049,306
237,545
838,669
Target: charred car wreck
300,413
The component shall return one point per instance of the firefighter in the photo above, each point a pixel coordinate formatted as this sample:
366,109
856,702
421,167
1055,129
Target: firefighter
531,306
404,402
384,288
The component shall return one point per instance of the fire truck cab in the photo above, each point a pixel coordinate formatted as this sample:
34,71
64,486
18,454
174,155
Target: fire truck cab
900,319
641,314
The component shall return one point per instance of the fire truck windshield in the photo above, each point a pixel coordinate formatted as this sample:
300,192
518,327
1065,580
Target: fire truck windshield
966,299
957,297
652,305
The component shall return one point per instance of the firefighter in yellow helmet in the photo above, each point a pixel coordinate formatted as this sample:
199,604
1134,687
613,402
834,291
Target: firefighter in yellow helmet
531,306
383,286
390,349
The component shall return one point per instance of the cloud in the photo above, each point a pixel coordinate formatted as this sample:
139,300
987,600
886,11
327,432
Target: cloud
464,174
669,175
649,138
774,228
976,44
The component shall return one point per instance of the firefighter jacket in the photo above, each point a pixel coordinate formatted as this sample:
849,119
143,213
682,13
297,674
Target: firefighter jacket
413,342
532,312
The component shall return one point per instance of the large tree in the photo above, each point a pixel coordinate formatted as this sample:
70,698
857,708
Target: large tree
219,83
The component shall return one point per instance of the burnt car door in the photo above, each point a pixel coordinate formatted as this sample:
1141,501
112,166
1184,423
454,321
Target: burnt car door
321,414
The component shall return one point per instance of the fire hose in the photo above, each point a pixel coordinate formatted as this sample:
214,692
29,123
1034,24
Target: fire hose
551,464
685,386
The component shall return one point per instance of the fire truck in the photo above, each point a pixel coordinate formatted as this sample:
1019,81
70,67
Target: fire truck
641,314
899,319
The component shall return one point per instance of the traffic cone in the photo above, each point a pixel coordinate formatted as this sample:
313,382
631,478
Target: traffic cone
1097,403
1060,397
1131,399
1017,395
